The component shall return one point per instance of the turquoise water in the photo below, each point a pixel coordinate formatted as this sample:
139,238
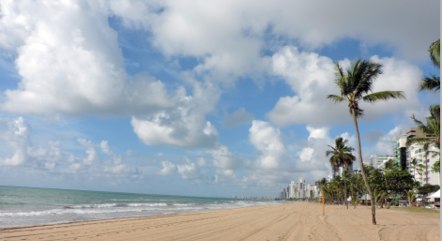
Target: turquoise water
23,206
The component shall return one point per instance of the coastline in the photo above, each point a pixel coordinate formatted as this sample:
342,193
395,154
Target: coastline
290,221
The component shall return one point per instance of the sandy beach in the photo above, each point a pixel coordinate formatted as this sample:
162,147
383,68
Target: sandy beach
292,221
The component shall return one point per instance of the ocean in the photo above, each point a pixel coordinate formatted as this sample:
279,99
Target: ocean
24,206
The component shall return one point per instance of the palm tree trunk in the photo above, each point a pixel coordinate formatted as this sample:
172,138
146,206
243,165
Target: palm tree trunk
345,194
426,166
364,175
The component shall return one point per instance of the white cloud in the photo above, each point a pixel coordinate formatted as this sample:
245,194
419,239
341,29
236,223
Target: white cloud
80,35
167,168
387,143
70,61
306,154
224,161
317,133
186,28
318,23
312,157
91,153
397,75
16,139
184,125
117,169
267,140
351,139
50,155
189,171
311,78
104,145
16,159
79,156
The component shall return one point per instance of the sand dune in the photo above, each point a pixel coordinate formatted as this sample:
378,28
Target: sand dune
292,221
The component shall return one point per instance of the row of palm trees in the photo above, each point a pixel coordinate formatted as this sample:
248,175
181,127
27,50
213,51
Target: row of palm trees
431,126
355,85
389,185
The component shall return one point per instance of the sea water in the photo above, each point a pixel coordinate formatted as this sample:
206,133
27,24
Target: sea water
23,206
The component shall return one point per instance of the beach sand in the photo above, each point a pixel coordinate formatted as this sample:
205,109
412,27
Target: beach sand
291,221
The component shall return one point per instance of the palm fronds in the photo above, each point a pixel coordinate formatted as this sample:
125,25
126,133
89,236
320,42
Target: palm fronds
383,95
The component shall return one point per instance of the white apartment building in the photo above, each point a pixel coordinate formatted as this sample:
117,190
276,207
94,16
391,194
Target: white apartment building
379,161
419,163
300,190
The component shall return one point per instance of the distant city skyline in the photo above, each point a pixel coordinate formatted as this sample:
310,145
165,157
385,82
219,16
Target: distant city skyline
200,98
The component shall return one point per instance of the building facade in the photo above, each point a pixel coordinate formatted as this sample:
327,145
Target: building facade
415,159
299,190
420,162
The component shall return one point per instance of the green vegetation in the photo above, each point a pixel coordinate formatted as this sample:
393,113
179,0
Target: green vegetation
388,185
356,85
432,83
432,125
341,156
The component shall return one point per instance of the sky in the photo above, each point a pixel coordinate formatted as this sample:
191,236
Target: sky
203,98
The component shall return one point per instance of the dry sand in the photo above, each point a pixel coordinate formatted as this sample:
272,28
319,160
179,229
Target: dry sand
292,221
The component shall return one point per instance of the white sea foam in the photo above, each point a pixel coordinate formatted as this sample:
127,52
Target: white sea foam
30,206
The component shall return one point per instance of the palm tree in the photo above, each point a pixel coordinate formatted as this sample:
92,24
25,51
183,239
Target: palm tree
355,86
436,167
432,82
435,52
432,129
341,155
414,163
411,194
421,171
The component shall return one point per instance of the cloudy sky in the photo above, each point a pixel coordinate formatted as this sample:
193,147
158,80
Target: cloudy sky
207,98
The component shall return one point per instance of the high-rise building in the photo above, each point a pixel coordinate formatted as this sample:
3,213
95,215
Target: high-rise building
415,159
300,190
379,161
420,163
402,146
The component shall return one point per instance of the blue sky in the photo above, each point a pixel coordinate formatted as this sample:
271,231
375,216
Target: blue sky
206,98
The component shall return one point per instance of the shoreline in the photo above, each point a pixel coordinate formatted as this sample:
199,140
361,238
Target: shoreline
145,214
288,221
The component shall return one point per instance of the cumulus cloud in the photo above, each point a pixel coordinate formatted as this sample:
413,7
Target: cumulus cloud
311,78
167,168
387,143
311,157
183,126
225,162
16,137
91,153
317,133
189,171
186,28
397,75
268,141
79,156
70,62
16,159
